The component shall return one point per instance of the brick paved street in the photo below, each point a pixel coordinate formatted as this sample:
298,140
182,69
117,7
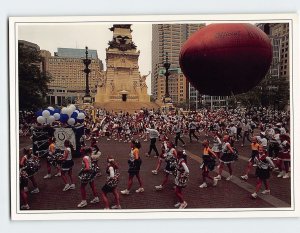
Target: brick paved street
227,194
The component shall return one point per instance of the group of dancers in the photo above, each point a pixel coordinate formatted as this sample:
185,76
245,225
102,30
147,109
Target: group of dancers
270,150
89,170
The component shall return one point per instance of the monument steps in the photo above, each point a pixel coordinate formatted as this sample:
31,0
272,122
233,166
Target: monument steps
123,106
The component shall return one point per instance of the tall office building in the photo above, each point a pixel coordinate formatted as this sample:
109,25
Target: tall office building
279,33
167,40
279,36
68,79
279,69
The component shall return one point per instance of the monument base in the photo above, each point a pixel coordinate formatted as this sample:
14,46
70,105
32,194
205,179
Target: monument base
167,105
129,107
87,99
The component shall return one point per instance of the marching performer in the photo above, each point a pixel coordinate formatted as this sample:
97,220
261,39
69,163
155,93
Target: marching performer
217,144
111,184
208,164
153,135
164,150
87,175
284,157
254,148
67,166
181,179
171,157
134,163
264,165
23,189
95,158
50,158
30,164
226,158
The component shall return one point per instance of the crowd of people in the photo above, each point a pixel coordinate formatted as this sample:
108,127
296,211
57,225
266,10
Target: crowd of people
265,131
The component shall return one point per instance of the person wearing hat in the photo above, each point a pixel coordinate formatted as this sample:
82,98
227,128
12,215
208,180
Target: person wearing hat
134,163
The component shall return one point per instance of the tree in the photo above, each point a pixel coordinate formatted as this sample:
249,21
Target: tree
33,82
270,93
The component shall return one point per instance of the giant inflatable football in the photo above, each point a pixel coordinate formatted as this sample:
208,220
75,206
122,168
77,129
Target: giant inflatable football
226,59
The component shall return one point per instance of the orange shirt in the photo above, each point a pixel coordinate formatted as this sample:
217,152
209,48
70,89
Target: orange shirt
52,148
135,153
254,146
205,151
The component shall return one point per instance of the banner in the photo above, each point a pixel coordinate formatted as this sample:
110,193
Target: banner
62,134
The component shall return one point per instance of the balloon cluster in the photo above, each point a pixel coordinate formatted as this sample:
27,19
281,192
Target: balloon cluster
67,115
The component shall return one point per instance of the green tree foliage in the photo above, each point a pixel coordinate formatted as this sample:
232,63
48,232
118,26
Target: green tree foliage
33,82
271,93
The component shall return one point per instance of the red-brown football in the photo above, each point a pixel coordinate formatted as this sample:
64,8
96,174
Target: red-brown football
226,59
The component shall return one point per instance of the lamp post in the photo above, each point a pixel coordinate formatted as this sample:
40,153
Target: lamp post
167,65
87,97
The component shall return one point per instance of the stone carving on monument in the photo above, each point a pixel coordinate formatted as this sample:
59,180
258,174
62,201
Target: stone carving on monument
123,81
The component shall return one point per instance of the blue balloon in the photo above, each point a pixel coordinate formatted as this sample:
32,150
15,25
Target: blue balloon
51,112
57,110
74,115
64,118
39,113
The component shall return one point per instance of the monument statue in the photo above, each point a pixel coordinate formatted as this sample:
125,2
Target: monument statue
123,81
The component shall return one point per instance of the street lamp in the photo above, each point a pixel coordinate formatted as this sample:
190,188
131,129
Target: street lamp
167,65
87,97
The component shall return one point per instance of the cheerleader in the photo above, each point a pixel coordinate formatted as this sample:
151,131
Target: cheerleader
67,165
111,184
171,157
95,157
30,164
87,169
226,158
164,149
254,148
51,152
284,157
181,179
23,189
217,144
264,164
208,164
134,163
